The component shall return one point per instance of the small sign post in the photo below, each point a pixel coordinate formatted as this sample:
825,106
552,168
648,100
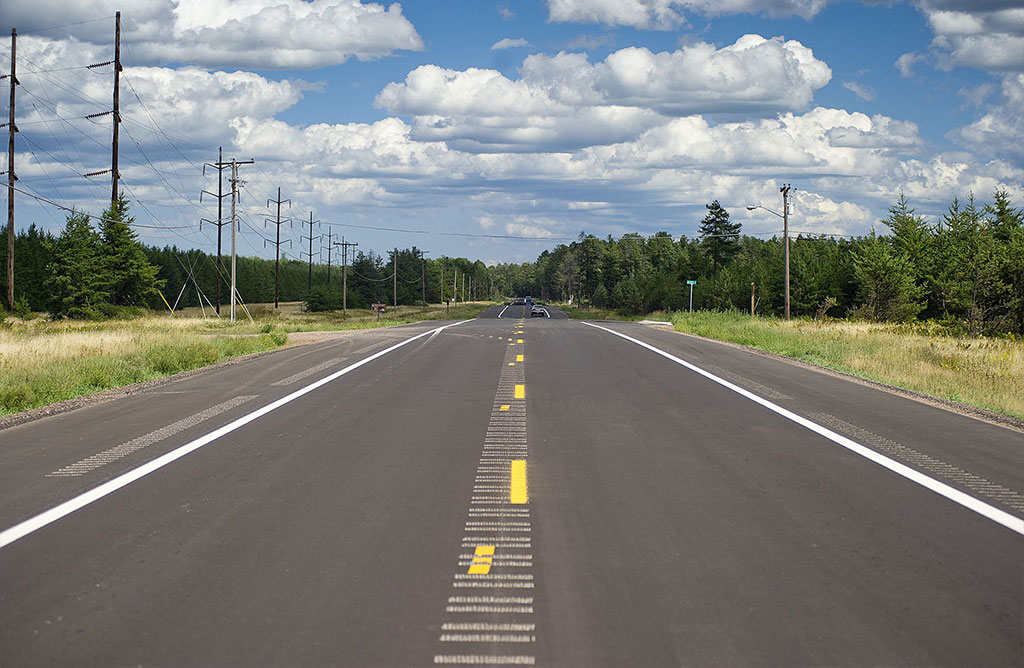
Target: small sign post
691,284
378,309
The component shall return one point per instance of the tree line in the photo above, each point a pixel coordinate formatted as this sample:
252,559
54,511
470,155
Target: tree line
965,269
97,268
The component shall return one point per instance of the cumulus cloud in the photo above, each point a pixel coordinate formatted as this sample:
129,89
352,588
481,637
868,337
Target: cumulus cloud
564,101
509,43
987,35
669,14
998,132
291,34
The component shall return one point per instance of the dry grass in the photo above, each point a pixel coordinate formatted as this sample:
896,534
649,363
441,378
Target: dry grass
983,372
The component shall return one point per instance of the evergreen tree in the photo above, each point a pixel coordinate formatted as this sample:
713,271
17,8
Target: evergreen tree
78,284
719,236
887,282
133,280
626,296
913,239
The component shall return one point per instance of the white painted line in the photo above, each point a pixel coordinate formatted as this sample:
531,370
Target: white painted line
32,524
296,377
484,660
998,516
109,455
546,312
503,311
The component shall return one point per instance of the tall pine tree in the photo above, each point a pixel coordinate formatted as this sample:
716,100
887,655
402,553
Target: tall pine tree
133,280
719,236
78,284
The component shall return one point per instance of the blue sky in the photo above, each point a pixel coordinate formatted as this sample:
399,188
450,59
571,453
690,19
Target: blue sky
613,117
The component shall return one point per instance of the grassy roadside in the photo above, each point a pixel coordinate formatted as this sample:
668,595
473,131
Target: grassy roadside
44,361
988,373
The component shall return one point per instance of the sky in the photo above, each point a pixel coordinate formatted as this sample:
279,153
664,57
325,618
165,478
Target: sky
458,125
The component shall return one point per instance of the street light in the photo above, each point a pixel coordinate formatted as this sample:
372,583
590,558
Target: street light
785,234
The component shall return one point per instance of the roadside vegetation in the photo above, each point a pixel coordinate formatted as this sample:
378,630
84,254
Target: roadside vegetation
925,357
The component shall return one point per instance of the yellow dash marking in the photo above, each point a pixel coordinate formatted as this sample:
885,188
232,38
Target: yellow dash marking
517,486
519,358
519,341
482,557
520,391
504,407
511,363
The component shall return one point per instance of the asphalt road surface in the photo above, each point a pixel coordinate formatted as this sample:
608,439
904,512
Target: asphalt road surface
512,491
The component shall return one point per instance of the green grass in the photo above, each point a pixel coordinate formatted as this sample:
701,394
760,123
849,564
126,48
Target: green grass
988,373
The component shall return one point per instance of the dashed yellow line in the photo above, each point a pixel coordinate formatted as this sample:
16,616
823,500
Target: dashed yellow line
517,486
519,341
482,558
504,407
519,358
520,391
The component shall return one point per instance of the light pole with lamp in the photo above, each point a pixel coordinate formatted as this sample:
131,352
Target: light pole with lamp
785,235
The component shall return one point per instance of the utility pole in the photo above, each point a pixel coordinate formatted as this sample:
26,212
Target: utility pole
455,286
117,108
442,290
11,177
220,166
309,284
785,238
234,228
277,244
423,277
330,233
344,274
394,278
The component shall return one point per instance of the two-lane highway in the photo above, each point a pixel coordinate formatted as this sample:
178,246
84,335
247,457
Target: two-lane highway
512,491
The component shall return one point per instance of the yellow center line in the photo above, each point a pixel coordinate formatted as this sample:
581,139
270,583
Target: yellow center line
504,407
517,486
482,558
519,341
511,363
520,392
519,358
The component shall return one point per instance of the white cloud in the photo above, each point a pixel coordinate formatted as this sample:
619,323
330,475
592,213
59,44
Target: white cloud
905,64
564,102
289,34
669,14
986,35
998,132
860,90
509,43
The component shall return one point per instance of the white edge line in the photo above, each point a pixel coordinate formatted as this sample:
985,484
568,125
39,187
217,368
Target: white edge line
39,521
503,310
1009,521
546,312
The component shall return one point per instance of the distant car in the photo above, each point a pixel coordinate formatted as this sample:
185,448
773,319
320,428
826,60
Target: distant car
537,311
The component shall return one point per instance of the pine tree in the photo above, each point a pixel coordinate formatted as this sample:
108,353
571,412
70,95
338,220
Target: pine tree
887,282
78,284
913,239
719,236
133,280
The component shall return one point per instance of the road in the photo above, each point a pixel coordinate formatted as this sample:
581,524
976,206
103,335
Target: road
512,491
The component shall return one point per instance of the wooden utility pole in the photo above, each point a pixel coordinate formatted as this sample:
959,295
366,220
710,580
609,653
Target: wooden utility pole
423,277
752,303
277,244
11,177
330,233
220,166
344,274
309,284
394,278
234,229
442,290
117,107
785,238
